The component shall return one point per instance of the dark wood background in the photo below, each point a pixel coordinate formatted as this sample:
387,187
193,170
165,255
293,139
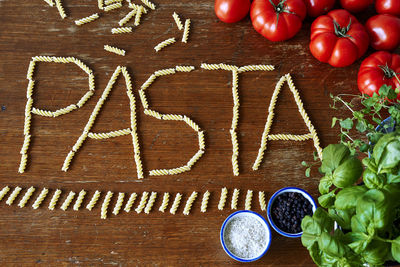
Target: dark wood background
31,28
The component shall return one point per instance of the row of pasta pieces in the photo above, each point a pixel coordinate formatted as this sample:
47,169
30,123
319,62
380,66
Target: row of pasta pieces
145,204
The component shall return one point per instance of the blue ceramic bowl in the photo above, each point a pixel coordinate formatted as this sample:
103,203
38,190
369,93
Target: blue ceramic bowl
285,190
253,215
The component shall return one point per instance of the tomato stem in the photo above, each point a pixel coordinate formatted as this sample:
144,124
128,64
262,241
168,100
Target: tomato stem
342,31
389,73
279,8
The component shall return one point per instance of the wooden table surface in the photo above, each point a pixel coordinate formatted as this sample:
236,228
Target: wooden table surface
54,238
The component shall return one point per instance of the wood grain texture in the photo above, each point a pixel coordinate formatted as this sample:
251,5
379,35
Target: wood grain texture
54,238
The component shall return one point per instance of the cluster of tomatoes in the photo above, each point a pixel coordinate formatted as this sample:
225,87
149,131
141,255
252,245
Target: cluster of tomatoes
337,37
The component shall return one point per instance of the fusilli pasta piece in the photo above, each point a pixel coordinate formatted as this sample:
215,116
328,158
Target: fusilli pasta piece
4,192
109,2
150,203
100,4
60,9
210,66
67,201
149,4
204,201
153,113
119,203
290,137
23,162
256,67
142,203
148,82
189,203
202,144
87,19
186,29
49,2
164,72
222,199
164,43
172,117
13,195
175,204
184,68
121,30
249,196
114,50
191,123
111,134
54,199
261,199
26,197
164,203
177,21
127,18
25,146
159,172
29,89
235,198
104,206
139,11
31,69
130,202
178,170
195,158
112,6
224,66
94,200
85,98
40,198
79,200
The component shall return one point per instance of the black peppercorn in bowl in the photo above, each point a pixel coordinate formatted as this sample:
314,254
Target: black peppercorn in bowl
287,207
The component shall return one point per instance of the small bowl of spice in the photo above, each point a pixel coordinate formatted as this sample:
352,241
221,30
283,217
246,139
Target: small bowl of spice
245,236
287,207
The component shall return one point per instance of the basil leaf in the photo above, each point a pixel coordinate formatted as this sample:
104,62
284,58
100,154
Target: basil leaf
376,252
360,224
357,241
342,217
327,200
373,180
380,146
333,156
396,249
315,254
390,158
347,173
347,198
393,178
325,184
332,245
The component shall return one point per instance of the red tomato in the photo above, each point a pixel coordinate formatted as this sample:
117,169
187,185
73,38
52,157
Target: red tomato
391,7
355,5
384,31
230,11
277,20
316,8
338,38
378,69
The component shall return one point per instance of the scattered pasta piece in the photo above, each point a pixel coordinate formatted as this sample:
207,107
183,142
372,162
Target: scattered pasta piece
119,203
204,201
121,30
186,31
189,203
112,6
222,199
149,4
142,203
127,18
49,2
94,200
100,4
60,9
148,82
177,21
54,199
249,196
150,203
114,50
184,68
88,19
235,198
164,203
67,201
79,200
130,202
26,197
13,195
104,206
137,7
40,198
164,43
256,67
164,72
109,2
158,172
4,192
175,204
109,134
261,199
139,11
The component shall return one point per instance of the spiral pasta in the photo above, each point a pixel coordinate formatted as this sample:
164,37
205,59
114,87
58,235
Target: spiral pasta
224,66
23,162
100,4
290,137
172,117
112,6
4,192
164,203
121,30
130,202
31,69
106,203
25,146
114,50
175,204
111,134
40,198
158,172
79,200
164,44
49,2
148,82
119,203
202,144
222,199
13,195
150,203
137,7
29,90
184,68
87,19
249,196
67,201
127,18
256,68
54,199
139,11
60,9
164,72
235,154
142,202
191,123
195,158
186,29
204,201
84,98
261,199
189,203
26,197
153,113
93,200
207,66
109,2
235,198
149,4
177,21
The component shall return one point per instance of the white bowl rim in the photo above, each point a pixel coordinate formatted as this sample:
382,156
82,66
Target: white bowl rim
279,192
265,223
